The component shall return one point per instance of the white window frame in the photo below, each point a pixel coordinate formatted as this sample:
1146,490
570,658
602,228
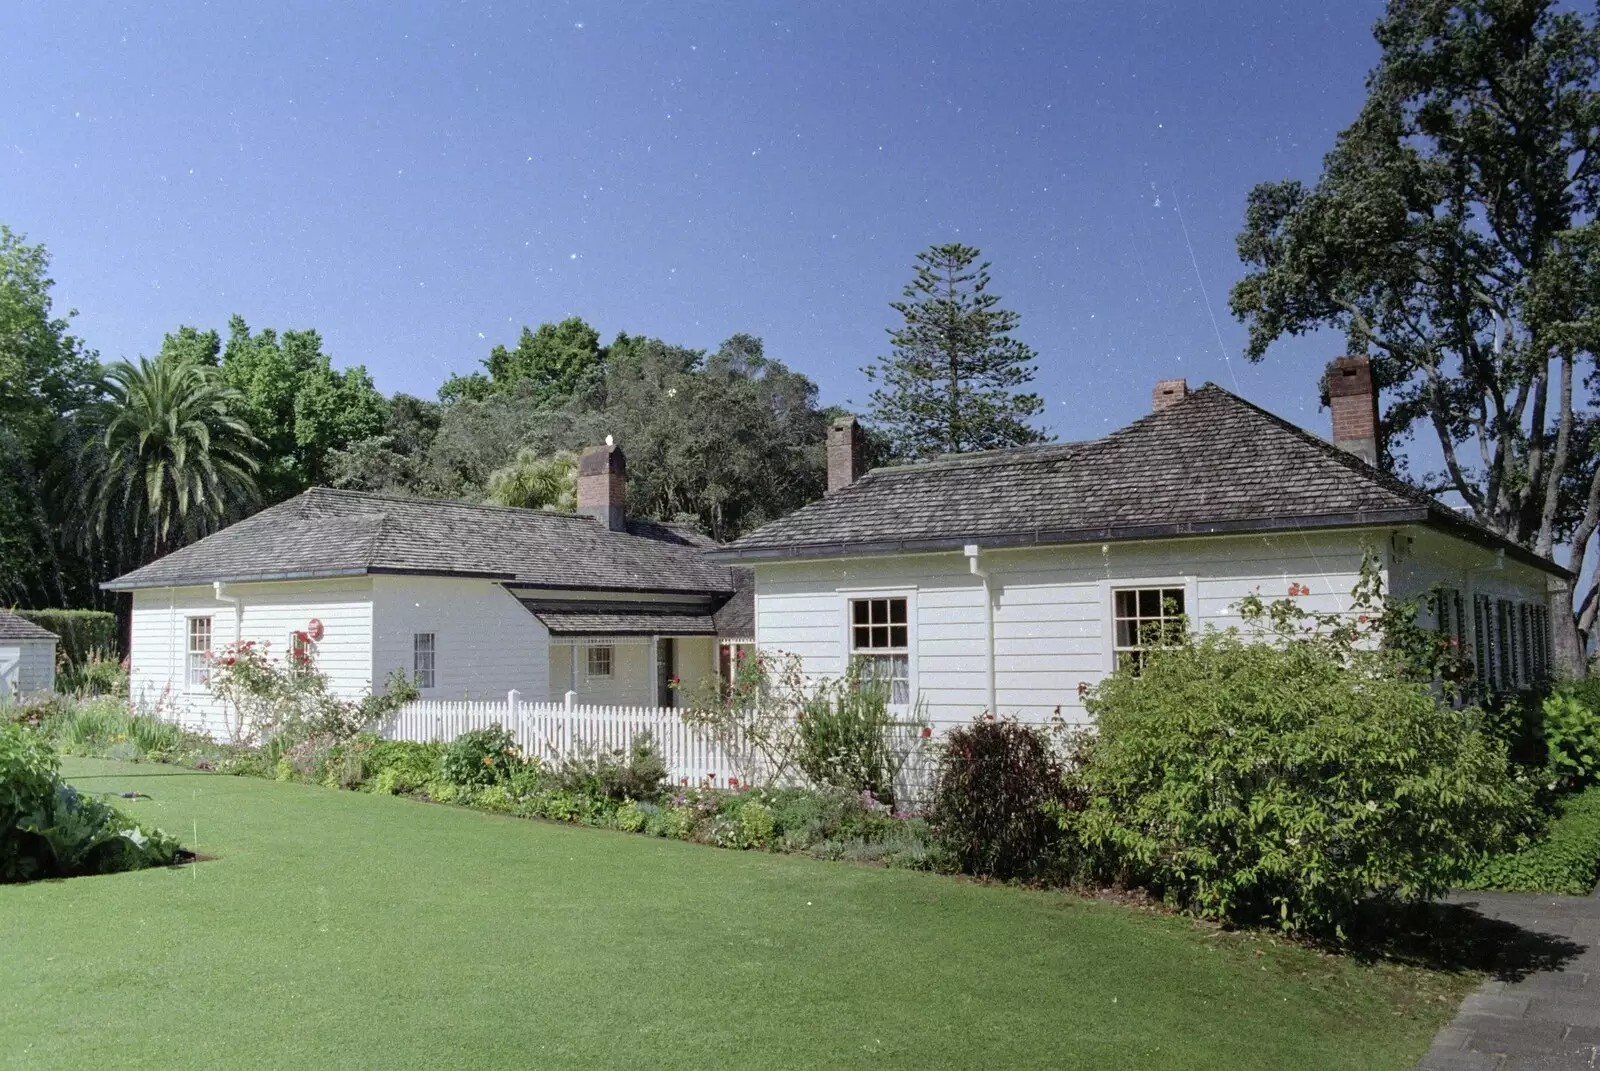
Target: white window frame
1108,615
432,651
202,670
590,653
848,596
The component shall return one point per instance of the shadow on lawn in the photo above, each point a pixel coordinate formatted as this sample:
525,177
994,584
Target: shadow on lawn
1456,937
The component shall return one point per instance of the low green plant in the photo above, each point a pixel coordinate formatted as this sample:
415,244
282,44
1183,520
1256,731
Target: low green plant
480,757
1571,730
630,818
638,773
399,766
1253,781
845,737
99,673
756,825
50,830
1562,858
441,791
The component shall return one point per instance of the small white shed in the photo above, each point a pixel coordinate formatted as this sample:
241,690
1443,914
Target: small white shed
27,659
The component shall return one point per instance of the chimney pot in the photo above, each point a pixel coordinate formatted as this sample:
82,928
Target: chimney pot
846,454
603,485
1168,392
1354,402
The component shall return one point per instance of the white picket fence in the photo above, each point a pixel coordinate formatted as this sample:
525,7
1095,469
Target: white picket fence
554,731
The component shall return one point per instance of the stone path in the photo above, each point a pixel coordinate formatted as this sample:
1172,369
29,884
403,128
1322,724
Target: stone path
1547,1019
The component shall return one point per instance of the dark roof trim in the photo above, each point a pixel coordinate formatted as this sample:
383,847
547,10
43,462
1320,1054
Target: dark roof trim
1434,516
308,574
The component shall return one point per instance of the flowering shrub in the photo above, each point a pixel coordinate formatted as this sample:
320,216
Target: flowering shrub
755,717
849,739
291,700
1253,781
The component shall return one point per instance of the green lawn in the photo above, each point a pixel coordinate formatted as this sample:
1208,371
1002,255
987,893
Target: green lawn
338,929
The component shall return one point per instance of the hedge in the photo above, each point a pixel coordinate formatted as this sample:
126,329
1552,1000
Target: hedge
1566,859
83,632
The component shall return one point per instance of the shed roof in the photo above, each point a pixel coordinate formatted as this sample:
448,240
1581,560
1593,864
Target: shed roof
16,628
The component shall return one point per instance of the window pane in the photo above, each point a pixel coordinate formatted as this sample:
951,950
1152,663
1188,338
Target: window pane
1150,603
863,638
880,611
859,610
1127,603
897,611
1125,633
897,636
880,635
1172,601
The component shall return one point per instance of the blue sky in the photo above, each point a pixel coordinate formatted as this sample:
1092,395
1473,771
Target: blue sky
416,182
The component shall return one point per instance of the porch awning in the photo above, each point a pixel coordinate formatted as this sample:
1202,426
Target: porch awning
620,619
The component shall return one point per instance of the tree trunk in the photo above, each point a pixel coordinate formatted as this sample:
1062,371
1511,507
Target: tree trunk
1566,645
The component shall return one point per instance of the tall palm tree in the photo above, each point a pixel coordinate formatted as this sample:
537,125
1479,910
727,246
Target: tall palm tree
171,455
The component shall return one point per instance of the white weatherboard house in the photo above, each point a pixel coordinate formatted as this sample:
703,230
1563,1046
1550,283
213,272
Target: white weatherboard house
471,601
27,659
1012,580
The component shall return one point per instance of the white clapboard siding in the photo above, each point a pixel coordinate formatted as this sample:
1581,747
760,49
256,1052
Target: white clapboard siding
553,732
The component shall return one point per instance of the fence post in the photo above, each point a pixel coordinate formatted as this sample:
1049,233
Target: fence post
569,700
513,697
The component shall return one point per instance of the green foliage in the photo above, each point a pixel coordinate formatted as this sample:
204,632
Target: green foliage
848,737
634,774
46,376
952,381
1564,858
998,797
290,702
98,674
1249,781
399,766
1571,730
535,482
757,825
84,634
50,830
99,727
553,362
173,455
630,817
1467,171
301,407
480,757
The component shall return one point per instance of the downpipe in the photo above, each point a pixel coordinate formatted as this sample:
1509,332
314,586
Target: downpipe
981,573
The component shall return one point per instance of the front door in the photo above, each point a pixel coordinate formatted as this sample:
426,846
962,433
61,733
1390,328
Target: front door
666,670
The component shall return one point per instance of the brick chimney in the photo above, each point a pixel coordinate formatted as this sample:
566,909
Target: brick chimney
845,453
1168,392
603,485
1355,407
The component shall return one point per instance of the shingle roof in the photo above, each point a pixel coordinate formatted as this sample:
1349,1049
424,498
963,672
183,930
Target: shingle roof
327,533
566,618
736,618
13,627
1212,462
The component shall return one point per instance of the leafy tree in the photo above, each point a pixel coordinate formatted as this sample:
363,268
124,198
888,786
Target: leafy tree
533,481
298,404
46,376
392,461
952,382
547,366
1452,237
175,457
